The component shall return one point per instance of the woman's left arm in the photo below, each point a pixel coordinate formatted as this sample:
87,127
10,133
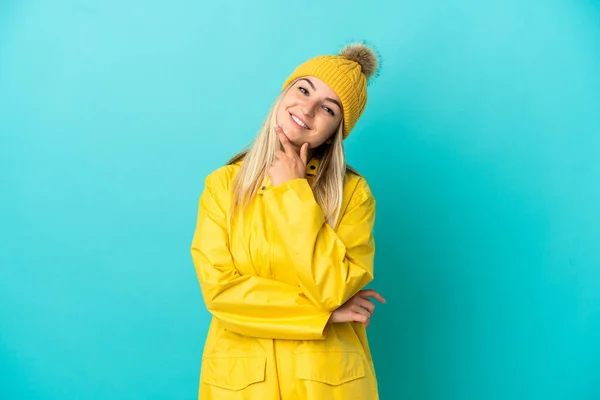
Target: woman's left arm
331,265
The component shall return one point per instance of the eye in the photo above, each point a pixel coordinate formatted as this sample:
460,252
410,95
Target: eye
329,110
303,90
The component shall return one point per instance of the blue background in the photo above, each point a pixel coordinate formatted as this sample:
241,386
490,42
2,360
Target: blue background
480,141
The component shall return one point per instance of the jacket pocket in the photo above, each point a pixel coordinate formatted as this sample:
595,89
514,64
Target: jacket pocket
330,367
233,373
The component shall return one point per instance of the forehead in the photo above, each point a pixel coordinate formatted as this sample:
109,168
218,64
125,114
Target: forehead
321,87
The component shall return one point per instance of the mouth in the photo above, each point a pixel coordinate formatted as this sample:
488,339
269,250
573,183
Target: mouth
301,124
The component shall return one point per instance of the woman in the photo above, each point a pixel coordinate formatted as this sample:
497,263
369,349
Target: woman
283,248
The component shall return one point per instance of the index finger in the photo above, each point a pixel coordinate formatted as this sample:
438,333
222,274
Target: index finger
372,293
285,142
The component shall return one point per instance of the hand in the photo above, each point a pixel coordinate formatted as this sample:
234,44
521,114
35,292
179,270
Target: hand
288,164
358,308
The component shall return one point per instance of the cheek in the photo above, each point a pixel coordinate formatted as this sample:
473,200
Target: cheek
329,125
281,112
326,128
286,103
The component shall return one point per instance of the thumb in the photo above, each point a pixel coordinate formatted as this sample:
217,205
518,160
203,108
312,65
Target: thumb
304,153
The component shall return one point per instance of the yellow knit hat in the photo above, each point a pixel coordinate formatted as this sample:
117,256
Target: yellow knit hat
347,74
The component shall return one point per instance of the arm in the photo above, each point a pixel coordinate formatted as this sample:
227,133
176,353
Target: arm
248,305
331,266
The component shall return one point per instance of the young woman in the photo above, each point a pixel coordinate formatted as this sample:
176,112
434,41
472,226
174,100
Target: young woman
283,248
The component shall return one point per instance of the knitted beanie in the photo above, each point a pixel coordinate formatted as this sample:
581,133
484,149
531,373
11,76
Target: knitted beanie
347,74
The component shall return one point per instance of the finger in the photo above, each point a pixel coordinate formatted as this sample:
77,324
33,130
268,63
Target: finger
367,323
358,317
367,294
287,146
359,310
371,293
285,142
280,155
304,153
366,304
278,129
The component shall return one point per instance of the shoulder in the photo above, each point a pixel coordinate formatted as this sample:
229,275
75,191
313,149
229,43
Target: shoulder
221,179
356,188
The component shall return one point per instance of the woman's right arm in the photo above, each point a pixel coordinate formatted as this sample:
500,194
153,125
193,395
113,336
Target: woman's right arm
246,304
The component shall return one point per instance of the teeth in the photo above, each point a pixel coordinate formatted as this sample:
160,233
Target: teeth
299,122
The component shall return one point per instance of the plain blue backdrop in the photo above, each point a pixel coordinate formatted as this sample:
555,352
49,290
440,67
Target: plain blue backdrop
480,141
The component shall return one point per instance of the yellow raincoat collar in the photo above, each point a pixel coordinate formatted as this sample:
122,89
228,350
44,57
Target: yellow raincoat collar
311,168
311,171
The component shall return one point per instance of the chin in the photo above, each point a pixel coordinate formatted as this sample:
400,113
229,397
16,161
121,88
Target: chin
291,132
294,138
296,141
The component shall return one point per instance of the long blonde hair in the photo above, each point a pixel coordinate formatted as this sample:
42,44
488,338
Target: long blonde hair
258,155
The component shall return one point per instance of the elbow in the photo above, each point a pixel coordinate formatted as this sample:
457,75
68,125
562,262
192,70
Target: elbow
210,296
331,300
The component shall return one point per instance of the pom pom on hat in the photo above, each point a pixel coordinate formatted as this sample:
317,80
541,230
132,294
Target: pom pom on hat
347,73
364,56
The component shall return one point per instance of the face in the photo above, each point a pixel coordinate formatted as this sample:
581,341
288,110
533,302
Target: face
310,112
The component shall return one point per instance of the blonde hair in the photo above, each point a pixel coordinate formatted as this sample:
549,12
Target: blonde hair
258,155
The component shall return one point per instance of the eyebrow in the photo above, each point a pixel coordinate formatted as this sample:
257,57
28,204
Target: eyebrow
328,98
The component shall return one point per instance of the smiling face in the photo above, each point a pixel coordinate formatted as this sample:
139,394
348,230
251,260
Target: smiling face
310,112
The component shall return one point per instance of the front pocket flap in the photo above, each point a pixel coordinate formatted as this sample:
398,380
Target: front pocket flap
233,373
331,367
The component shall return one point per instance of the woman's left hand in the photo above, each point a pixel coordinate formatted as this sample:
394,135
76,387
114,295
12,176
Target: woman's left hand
288,163
357,308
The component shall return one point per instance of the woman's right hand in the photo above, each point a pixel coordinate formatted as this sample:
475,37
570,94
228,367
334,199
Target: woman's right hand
359,308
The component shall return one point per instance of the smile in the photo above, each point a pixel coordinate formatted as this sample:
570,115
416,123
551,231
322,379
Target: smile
299,122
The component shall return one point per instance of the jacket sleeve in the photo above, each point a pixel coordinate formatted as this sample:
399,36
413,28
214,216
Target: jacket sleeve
331,265
246,304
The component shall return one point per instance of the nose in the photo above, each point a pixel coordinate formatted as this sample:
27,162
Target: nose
308,108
